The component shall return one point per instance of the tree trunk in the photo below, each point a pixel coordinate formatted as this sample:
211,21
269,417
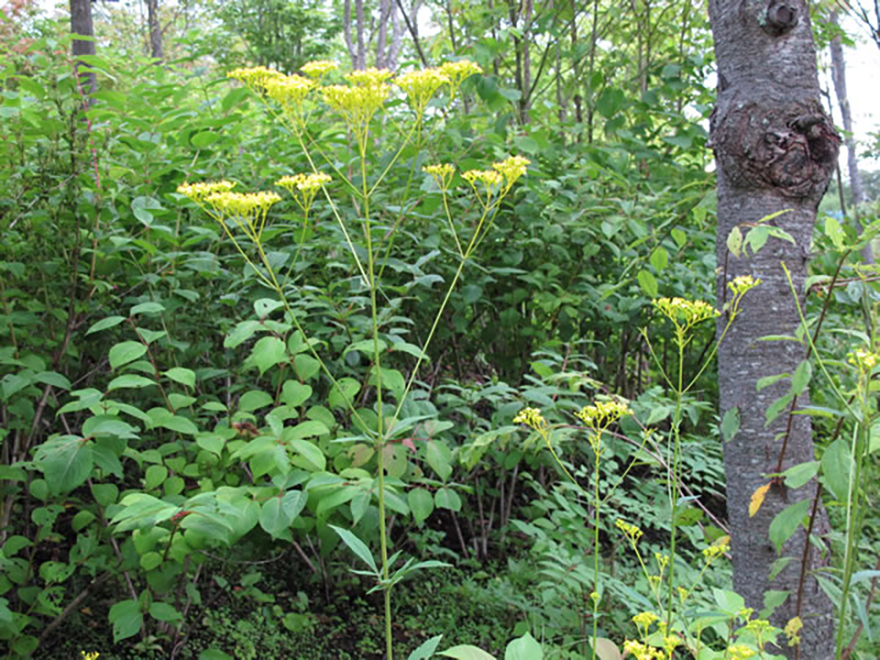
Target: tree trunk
838,74
81,23
775,149
155,29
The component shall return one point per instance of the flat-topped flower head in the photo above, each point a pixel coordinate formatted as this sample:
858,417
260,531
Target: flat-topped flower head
255,77
290,92
739,652
742,285
317,69
641,651
304,187
532,418
644,620
420,87
357,104
199,191
717,549
247,210
863,359
632,532
512,168
685,313
442,174
458,72
602,414
368,77
486,184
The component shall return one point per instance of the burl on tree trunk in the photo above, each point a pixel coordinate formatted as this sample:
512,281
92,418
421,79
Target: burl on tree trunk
775,150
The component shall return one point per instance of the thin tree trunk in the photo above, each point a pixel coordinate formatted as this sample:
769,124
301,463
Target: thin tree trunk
382,37
81,23
838,74
361,47
155,29
775,150
346,31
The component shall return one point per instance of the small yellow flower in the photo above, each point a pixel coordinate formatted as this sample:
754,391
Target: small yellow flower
512,168
357,105
442,174
304,187
632,532
662,560
864,360
198,192
717,549
420,87
247,210
685,314
739,652
368,77
602,414
457,72
758,627
641,651
319,68
255,77
91,655
290,92
742,284
644,620
670,643
532,418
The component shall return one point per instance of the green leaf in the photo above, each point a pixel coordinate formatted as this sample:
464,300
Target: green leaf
126,618
205,139
164,612
214,654
648,283
426,650
446,498
834,231
730,424
294,393
273,517
799,475
735,242
439,458
730,602
421,503
147,308
241,333
607,650
343,393
837,468
524,648
183,376
103,324
466,652
125,352
66,462
801,378
357,546
268,352
306,366
53,378
254,400
155,476
787,522
129,380
311,453
659,259
366,346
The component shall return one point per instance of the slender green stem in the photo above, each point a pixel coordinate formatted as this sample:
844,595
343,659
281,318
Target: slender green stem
597,448
675,464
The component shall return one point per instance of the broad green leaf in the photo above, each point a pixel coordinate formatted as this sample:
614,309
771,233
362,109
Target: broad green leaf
801,378
254,400
53,378
147,308
343,393
241,333
126,618
834,231
155,476
268,352
439,458
524,648
103,324
66,462
294,393
129,381
799,475
125,352
311,453
357,546
467,652
735,242
787,522
421,503
446,498
164,612
659,259
426,650
837,468
183,376
730,424
273,517
648,283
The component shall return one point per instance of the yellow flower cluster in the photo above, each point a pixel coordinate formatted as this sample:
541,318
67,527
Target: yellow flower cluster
255,77
420,87
864,360
442,174
644,620
319,68
290,92
357,104
198,192
247,210
717,549
602,414
685,313
368,77
641,651
304,187
91,655
490,179
742,285
512,168
532,418
632,532
739,652
458,72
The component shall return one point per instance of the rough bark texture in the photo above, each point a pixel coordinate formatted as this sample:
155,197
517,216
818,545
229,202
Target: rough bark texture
838,74
155,29
81,23
775,149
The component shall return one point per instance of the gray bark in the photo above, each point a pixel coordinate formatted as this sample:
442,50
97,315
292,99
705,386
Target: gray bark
155,29
81,23
838,74
775,149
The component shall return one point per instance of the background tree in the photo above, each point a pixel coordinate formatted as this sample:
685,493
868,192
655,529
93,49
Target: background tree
81,24
776,150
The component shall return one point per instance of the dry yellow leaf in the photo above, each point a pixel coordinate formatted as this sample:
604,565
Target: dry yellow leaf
758,499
